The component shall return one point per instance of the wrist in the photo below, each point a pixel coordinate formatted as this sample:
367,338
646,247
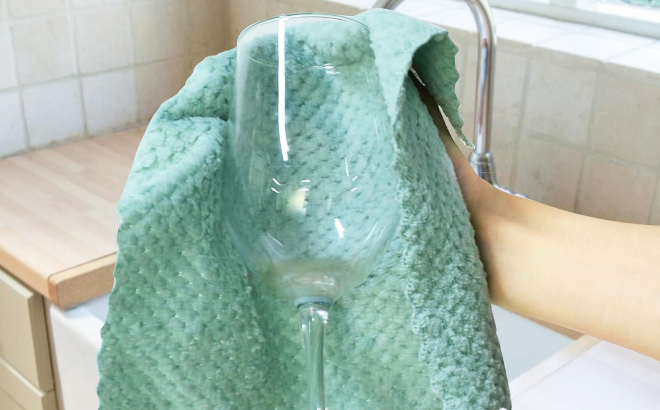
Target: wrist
483,200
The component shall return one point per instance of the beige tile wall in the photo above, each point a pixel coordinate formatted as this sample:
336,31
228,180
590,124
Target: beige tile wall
76,68
576,121
242,13
588,139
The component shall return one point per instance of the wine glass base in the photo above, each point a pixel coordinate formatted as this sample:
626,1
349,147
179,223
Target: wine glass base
312,300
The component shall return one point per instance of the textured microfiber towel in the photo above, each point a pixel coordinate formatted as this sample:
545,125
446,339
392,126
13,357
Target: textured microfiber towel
189,327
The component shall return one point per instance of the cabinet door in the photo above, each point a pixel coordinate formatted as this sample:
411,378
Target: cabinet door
7,403
21,392
23,334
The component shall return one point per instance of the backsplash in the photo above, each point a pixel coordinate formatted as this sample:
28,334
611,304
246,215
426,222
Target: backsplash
578,130
76,68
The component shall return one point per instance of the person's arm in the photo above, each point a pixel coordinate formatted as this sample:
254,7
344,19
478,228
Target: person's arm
594,276
597,277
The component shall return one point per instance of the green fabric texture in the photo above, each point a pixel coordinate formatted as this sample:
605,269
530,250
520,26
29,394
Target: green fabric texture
189,327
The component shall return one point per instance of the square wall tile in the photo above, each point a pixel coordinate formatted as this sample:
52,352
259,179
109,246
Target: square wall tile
6,59
548,22
467,82
79,4
645,59
24,8
501,133
333,7
54,112
109,101
504,151
527,32
43,49
588,45
12,132
104,40
510,72
159,30
366,4
208,30
559,101
548,173
655,212
504,155
242,13
617,192
626,123
463,37
504,15
467,57
619,36
156,83
276,7
459,18
192,63
421,9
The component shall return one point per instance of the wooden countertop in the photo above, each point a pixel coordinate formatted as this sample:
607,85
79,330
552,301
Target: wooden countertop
590,374
58,219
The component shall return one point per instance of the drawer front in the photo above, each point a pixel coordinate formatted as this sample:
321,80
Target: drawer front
22,392
23,334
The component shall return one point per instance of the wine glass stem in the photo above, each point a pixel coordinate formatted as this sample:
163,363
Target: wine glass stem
314,318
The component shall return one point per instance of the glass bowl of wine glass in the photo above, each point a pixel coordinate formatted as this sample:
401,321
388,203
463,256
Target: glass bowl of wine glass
309,189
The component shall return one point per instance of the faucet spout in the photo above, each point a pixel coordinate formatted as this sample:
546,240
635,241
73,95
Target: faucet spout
482,158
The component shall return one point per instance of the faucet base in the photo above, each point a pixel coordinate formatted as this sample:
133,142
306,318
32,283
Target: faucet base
483,165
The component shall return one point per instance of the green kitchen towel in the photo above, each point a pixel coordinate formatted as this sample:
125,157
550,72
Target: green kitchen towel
189,327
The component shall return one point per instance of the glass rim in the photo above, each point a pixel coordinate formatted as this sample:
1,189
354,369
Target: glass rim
300,15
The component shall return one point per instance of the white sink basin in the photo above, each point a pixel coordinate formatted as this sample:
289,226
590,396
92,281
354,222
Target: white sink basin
77,341
76,335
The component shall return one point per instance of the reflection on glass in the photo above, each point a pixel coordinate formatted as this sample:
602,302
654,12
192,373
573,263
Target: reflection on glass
309,190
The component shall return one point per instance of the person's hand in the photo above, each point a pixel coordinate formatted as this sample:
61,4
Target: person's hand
475,190
590,275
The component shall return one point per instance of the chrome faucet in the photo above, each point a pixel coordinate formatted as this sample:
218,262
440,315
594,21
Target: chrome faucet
481,158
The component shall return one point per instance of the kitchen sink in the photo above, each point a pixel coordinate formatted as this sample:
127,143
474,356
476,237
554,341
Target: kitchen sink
77,341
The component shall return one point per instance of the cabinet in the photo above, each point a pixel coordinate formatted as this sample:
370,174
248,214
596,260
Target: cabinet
58,225
26,375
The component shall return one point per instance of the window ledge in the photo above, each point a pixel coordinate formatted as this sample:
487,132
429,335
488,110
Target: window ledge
591,45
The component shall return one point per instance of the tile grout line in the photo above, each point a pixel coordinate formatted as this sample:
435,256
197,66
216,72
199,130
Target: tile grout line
73,42
521,125
69,13
136,99
587,152
655,203
588,146
10,33
518,136
20,87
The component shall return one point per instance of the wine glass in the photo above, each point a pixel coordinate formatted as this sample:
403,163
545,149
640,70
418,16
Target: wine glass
309,186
